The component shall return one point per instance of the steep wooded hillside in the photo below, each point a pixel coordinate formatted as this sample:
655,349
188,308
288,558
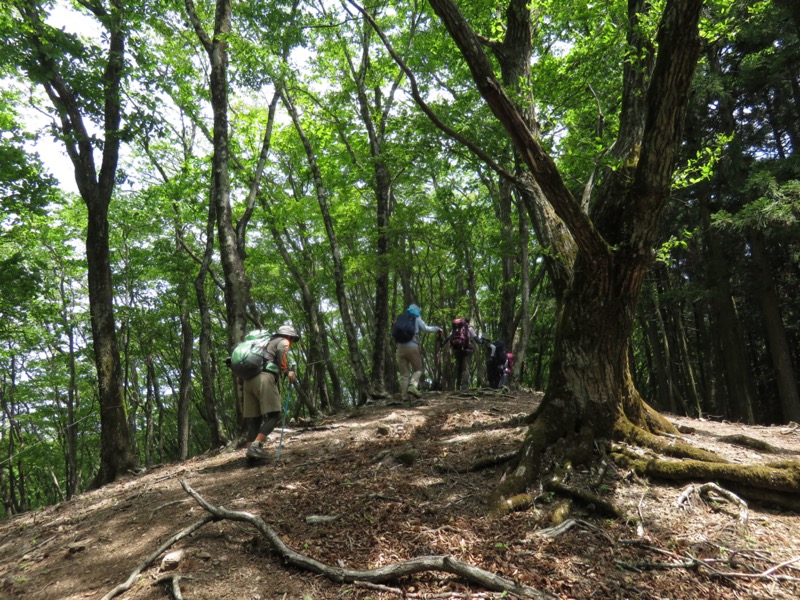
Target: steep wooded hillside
388,483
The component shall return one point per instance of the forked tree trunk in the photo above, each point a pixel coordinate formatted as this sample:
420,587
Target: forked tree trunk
591,392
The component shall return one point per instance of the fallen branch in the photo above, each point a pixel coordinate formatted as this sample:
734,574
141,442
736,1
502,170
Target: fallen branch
124,587
380,575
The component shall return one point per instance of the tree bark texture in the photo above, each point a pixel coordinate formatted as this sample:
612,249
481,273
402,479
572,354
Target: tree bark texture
590,385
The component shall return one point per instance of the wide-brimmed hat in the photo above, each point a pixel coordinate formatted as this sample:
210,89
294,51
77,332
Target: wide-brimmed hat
288,331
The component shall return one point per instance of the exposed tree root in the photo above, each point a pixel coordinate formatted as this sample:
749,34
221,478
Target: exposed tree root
124,587
593,501
479,465
174,581
748,442
420,564
705,490
777,483
626,431
711,566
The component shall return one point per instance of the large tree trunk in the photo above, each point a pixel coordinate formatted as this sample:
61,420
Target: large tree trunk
591,388
96,190
116,457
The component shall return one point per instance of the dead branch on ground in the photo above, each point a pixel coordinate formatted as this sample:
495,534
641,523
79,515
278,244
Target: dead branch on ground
124,587
393,572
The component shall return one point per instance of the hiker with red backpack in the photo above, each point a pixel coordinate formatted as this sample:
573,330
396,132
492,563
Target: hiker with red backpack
461,339
405,331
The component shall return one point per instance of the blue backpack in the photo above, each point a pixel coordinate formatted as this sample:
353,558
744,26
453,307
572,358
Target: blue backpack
404,327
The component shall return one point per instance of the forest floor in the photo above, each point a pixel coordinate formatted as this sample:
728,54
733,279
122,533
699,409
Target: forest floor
390,479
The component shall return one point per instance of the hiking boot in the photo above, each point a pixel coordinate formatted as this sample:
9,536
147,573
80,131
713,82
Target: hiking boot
255,451
414,391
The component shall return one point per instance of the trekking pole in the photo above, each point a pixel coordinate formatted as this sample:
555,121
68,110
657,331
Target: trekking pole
283,422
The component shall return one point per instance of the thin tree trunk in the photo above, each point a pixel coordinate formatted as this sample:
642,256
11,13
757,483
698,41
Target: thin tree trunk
185,385
237,285
71,431
361,382
520,345
737,374
218,438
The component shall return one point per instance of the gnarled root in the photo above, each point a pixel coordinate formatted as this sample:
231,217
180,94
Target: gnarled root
380,575
627,431
775,483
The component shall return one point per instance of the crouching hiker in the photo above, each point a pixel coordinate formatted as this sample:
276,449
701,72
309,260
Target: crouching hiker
262,397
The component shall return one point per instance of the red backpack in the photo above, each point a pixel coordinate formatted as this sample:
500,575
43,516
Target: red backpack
459,338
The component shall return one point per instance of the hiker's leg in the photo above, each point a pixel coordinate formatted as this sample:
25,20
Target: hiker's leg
268,424
253,425
251,409
465,362
405,369
415,360
269,400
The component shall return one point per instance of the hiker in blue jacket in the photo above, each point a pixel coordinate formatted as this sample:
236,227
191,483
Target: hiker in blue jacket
408,355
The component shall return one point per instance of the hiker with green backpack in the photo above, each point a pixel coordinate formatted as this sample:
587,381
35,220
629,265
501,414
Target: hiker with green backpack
260,361
405,331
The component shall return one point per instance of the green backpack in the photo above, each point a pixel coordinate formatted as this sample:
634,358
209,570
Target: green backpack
247,359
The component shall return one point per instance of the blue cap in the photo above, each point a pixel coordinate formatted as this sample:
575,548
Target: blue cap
414,310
